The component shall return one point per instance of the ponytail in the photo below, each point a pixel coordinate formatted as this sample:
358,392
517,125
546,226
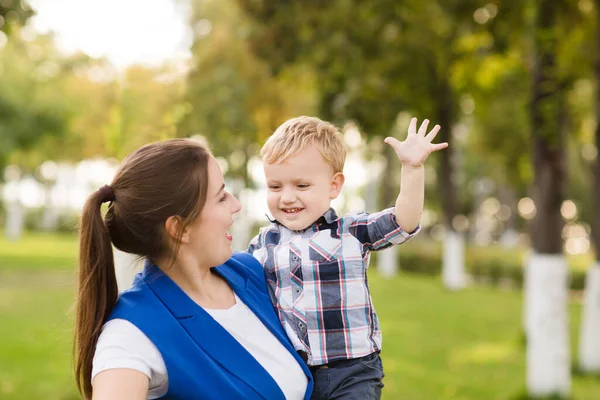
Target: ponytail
97,290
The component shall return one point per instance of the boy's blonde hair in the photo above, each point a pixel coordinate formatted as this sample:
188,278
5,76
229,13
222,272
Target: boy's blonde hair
294,134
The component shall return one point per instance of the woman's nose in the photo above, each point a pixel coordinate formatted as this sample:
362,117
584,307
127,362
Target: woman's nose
237,205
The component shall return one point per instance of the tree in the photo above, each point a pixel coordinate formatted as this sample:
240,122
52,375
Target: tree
589,345
548,366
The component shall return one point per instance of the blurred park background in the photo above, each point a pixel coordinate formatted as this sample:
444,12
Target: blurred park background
497,298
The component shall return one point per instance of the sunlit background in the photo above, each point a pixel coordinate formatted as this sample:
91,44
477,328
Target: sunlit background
85,82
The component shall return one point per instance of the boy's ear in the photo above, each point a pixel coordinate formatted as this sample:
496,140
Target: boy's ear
173,226
337,181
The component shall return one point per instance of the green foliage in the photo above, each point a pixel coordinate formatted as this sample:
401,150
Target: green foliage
231,97
146,107
496,89
13,13
372,59
31,75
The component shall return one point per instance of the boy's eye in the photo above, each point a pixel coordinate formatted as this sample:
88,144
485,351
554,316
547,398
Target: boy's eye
274,187
302,186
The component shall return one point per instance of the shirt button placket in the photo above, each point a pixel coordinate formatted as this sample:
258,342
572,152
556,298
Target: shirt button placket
302,330
296,270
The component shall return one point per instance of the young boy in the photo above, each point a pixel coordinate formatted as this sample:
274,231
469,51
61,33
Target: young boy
316,262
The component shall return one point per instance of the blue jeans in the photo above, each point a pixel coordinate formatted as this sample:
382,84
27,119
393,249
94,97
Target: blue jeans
355,379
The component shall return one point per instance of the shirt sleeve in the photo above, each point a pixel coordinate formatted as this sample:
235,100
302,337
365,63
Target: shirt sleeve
122,345
257,246
255,243
378,231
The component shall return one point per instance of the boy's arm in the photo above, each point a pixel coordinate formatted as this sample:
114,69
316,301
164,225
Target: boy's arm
255,243
413,152
377,231
409,204
257,246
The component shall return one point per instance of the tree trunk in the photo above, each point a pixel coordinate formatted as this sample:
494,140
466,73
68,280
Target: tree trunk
548,356
15,219
389,180
596,165
445,170
507,197
453,264
49,220
589,340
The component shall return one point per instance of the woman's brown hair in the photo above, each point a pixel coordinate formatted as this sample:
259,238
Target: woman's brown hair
155,182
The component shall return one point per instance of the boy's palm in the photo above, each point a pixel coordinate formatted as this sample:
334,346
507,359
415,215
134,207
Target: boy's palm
417,146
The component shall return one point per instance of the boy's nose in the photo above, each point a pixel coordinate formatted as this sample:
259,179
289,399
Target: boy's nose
288,196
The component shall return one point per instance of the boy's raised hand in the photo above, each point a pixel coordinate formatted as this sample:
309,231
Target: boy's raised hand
417,146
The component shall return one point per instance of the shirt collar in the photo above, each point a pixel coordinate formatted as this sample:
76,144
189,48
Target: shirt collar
329,217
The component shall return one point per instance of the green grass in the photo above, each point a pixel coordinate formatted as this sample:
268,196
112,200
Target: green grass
36,326
436,344
467,345
39,252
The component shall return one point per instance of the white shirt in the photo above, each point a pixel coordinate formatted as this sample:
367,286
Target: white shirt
122,345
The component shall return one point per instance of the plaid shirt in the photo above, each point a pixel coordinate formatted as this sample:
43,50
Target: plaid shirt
317,280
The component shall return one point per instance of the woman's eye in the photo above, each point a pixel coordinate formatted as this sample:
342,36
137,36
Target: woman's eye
224,197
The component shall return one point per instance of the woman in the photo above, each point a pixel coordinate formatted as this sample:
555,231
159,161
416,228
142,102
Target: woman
197,322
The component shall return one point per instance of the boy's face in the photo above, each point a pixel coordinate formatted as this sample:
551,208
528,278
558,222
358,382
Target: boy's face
300,189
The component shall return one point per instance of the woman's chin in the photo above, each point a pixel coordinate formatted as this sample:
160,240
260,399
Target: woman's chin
227,255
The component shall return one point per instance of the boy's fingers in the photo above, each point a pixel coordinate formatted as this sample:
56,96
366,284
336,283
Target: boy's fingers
412,127
423,128
431,135
438,146
392,142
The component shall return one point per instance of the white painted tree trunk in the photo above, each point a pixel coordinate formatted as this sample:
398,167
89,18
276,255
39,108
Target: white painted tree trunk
126,266
49,221
509,239
589,339
526,290
453,263
387,262
548,354
15,220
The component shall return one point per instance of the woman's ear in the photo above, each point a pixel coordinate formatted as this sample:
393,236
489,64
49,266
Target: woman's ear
335,187
173,226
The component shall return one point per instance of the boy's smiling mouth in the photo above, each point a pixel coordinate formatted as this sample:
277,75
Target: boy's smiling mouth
291,211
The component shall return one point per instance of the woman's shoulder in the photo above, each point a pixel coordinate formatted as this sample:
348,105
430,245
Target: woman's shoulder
137,297
123,345
246,266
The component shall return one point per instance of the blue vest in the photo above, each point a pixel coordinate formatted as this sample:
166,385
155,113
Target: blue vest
203,360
